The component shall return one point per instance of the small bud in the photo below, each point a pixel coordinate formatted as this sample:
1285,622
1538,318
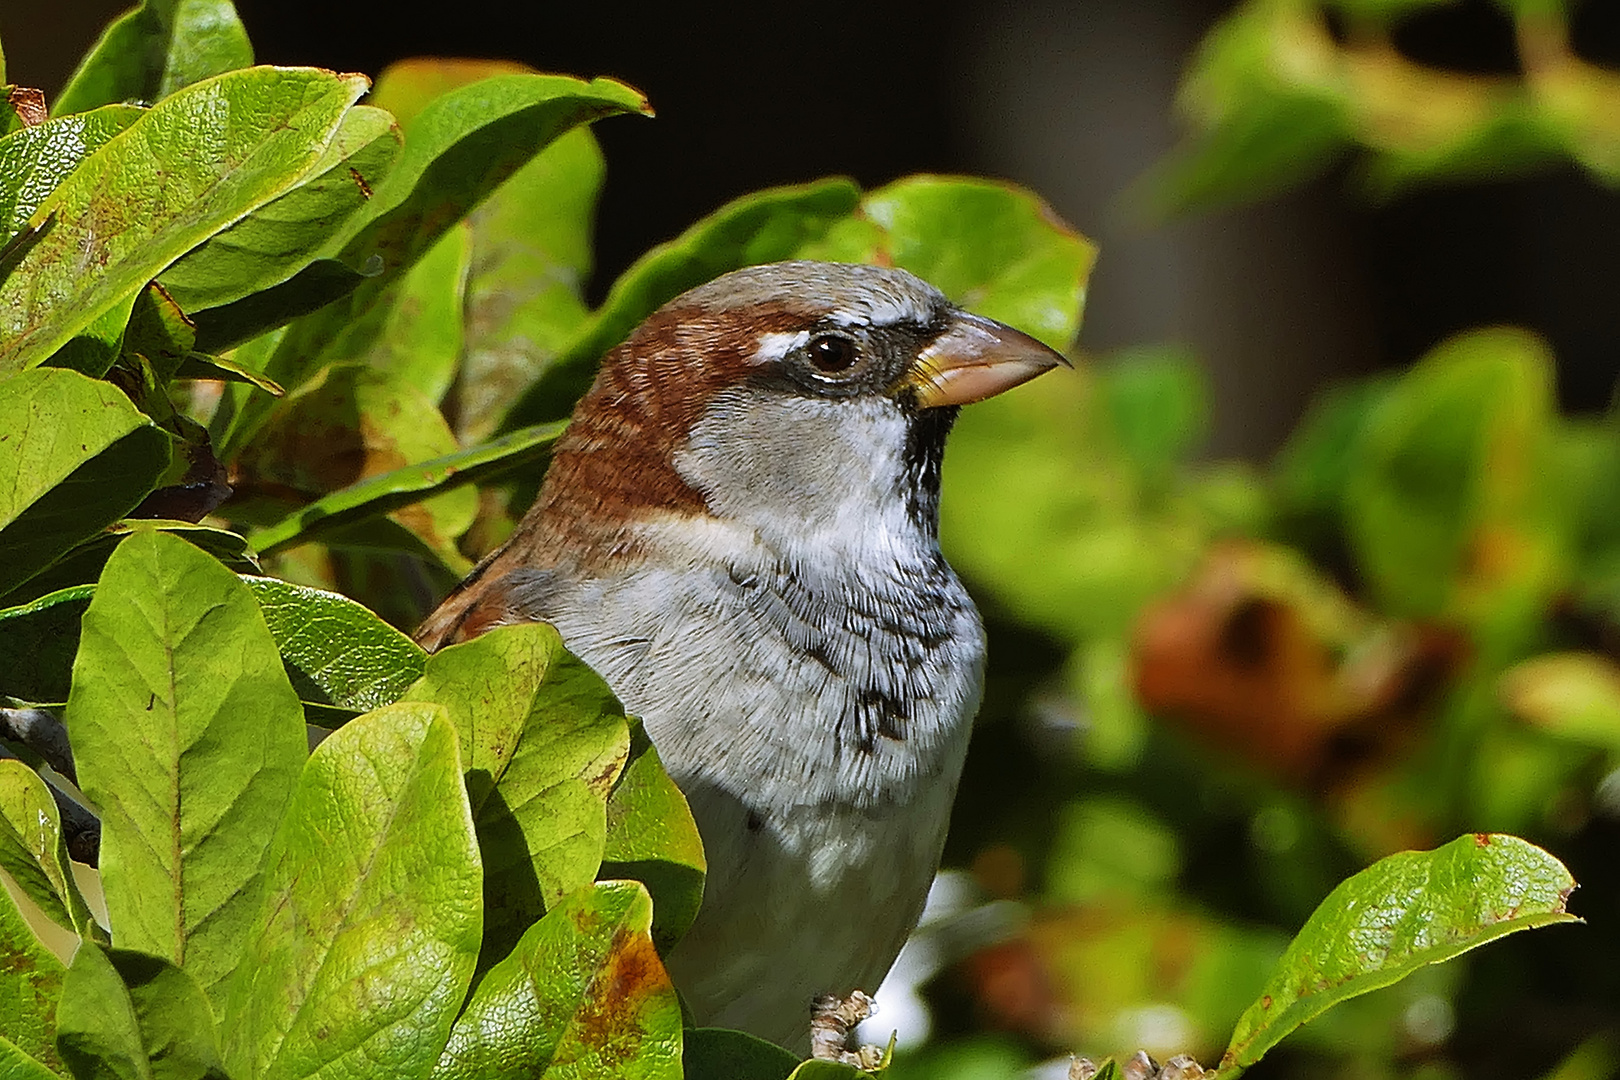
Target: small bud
1139,1067
1181,1067
1081,1068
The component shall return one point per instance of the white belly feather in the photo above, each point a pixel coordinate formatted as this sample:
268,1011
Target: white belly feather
822,822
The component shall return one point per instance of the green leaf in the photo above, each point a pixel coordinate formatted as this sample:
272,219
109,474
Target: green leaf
461,148
192,165
532,256
544,742
159,331
531,244
285,235
1313,468
1449,451
407,87
150,52
82,565
390,491
94,348
38,640
1401,913
188,738
34,161
319,283
78,455
1572,695
487,687
1158,403
766,226
336,652
33,852
30,986
16,1065
421,338
203,366
1268,104
129,1016
352,424
723,1054
652,838
582,995
994,248
370,928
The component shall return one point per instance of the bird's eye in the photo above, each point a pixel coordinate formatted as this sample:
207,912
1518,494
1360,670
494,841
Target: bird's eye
831,354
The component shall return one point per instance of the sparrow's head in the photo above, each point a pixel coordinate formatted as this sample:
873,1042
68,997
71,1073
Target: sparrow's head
808,402
799,396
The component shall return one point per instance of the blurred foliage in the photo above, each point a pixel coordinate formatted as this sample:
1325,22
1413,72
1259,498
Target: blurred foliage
279,367
1280,90
1250,680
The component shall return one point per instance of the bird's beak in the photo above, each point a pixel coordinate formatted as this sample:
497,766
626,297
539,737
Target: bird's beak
973,359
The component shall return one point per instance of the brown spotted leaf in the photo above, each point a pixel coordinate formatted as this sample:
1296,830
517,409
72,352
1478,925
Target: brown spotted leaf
183,171
582,994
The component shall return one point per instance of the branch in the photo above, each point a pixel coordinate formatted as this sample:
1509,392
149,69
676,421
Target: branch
42,733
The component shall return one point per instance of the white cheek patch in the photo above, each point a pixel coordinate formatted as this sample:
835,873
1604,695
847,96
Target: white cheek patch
774,346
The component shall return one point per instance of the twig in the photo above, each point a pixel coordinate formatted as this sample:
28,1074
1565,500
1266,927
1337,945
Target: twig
833,1020
42,733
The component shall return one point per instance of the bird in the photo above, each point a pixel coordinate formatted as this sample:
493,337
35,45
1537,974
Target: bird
739,531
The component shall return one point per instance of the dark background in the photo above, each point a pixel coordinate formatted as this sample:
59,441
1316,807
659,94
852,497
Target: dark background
1070,97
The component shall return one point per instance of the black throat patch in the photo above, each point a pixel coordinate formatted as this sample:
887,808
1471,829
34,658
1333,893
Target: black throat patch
921,460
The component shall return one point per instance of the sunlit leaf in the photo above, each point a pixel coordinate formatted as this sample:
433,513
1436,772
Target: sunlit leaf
187,168
152,51
582,994
354,424
30,986
652,838
34,160
1443,487
203,366
373,908
462,146
188,739
159,331
421,339
996,249
33,852
1266,99
1403,912
546,741
16,1065
82,564
283,236
389,491
78,455
336,652
1573,695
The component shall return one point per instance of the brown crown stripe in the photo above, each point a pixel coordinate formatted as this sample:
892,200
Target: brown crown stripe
614,464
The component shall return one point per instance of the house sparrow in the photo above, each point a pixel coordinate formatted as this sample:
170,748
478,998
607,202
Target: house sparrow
739,532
